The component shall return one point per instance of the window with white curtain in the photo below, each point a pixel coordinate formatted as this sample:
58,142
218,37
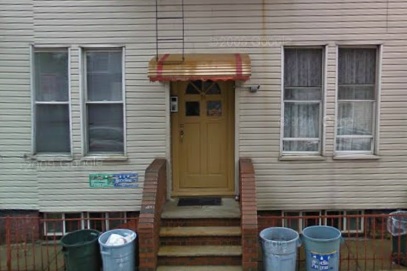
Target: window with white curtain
302,106
51,101
357,69
104,100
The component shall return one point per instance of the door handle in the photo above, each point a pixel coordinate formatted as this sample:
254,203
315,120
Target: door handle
181,135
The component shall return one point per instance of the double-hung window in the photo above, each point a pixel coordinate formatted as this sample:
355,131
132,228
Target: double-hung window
51,101
104,101
357,70
302,100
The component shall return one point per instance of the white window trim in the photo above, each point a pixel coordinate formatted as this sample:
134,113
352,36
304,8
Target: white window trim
84,102
54,156
363,155
322,107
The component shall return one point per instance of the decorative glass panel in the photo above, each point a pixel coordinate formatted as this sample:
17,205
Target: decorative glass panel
192,109
211,88
200,87
194,87
214,108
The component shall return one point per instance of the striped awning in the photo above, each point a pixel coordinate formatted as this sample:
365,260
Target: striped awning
215,67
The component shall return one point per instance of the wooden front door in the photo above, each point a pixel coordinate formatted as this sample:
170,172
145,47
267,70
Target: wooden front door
202,138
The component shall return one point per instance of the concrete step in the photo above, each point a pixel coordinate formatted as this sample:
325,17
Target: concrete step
199,231
200,268
198,251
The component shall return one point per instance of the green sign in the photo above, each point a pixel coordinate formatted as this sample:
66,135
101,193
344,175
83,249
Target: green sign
121,180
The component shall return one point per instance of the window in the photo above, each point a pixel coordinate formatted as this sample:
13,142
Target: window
59,224
302,106
51,101
357,69
104,101
345,221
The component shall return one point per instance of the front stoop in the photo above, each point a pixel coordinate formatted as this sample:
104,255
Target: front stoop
198,238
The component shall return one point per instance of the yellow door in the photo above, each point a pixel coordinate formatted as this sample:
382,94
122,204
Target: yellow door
203,138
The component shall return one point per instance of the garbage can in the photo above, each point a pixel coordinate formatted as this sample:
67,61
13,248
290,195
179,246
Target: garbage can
322,247
397,226
81,250
118,253
279,246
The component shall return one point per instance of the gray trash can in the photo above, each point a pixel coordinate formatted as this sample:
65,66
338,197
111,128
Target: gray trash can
118,257
279,248
322,247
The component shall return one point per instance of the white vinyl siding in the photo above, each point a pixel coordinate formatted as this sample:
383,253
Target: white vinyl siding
18,185
302,100
259,28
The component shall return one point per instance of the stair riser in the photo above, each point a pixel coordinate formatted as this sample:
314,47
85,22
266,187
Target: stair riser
192,241
199,222
204,260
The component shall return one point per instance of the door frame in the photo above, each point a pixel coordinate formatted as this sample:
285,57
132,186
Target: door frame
169,154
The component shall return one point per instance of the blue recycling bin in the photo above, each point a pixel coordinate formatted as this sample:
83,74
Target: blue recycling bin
279,246
322,247
121,257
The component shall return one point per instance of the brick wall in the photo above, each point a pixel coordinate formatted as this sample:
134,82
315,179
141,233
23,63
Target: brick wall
19,226
249,215
154,197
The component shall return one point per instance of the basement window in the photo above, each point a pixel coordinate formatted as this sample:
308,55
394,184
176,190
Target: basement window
59,224
345,221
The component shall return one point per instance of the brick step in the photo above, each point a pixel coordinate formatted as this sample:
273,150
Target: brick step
194,251
200,231
200,255
201,222
200,260
201,240
200,268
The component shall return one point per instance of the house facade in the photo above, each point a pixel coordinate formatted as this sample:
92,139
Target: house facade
311,91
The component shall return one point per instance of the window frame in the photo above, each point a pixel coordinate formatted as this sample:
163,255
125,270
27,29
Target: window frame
84,97
49,49
322,104
375,103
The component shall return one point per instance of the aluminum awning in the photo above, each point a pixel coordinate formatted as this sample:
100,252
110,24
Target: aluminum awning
215,67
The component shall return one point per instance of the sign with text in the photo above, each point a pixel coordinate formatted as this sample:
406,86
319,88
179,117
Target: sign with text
118,180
